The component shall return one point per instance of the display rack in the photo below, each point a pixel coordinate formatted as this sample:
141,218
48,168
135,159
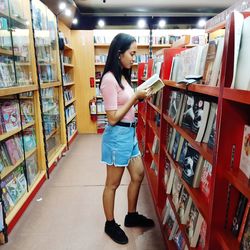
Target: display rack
49,81
23,167
68,62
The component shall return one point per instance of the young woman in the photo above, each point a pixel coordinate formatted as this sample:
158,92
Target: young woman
119,143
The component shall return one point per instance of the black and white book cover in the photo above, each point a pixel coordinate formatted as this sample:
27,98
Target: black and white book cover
189,165
211,140
201,110
183,152
188,114
175,105
176,144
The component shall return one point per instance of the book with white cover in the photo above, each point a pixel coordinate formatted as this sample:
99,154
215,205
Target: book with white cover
154,82
238,25
245,152
242,79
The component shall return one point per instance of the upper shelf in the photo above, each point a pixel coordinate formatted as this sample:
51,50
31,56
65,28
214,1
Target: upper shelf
237,95
198,88
17,90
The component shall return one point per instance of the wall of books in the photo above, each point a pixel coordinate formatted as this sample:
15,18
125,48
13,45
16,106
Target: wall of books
194,135
68,71
22,161
49,75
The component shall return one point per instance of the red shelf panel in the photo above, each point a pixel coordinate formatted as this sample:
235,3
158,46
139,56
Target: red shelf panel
155,157
198,88
154,128
227,240
239,180
202,148
200,202
154,107
237,95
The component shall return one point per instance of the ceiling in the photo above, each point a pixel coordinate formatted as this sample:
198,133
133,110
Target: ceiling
156,7
121,13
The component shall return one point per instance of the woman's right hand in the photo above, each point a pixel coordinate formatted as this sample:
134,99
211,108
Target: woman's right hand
142,94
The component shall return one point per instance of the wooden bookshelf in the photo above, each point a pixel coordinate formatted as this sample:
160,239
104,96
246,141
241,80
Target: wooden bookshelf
70,101
50,85
17,90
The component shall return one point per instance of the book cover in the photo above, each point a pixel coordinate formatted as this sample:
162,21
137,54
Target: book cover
176,190
188,114
154,82
201,112
211,139
185,202
206,178
169,177
10,115
242,79
193,226
242,202
209,61
176,144
183,152
211,117
175,105
202,238
245,152
191,162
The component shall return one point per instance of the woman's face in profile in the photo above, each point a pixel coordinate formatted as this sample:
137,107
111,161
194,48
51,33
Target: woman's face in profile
128,57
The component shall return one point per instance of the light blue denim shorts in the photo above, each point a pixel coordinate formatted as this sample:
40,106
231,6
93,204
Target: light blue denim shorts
119,145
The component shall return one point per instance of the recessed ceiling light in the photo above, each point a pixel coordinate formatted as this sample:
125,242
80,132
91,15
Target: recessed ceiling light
75,21
141,23
201,23
68,12
162,23
101,23
62,6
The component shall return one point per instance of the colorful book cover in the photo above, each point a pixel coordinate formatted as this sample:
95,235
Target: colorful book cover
206,178
10,115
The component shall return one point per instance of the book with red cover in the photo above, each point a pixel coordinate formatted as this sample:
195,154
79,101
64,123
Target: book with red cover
206,178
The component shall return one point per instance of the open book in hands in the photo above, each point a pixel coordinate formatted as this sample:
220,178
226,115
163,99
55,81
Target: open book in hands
154,83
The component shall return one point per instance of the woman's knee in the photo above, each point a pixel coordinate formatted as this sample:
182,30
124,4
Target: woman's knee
112,185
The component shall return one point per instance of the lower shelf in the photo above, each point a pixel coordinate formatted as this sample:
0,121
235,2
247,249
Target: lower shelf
57,154
72,137
22,204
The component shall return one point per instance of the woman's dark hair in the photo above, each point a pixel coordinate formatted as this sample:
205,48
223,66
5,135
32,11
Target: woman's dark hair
119,45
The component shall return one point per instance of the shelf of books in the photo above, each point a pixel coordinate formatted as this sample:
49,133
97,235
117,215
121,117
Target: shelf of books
22,161
194,135
102,40
67,59
50,82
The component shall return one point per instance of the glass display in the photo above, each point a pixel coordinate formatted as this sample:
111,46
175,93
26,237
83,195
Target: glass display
15,56
45,32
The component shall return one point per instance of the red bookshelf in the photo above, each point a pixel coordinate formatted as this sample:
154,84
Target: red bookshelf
227,182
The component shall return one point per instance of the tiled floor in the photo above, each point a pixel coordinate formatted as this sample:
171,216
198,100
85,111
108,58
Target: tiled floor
67,213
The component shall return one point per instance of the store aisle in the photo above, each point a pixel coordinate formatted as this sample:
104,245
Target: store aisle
67,214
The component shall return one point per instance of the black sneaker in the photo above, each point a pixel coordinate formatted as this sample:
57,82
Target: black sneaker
113,230
137,220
